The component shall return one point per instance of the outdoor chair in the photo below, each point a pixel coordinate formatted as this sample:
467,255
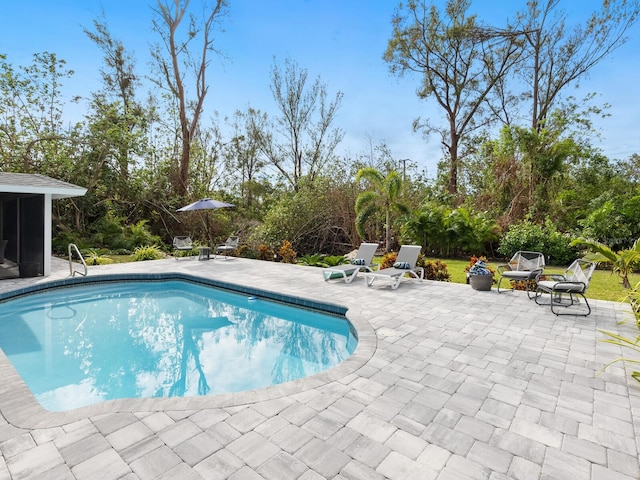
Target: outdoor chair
405,264
524,267
564,289
231,245
348,272
182,244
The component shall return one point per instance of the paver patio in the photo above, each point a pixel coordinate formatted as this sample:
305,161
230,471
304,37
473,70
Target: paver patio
447,383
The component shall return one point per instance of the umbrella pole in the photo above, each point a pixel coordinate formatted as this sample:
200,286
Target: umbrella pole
208,231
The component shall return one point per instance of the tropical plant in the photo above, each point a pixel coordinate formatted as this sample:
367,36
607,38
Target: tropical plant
287,253
623,261
634,299
93,257
388,260
623,342
384,195
311,260
334,260
147,252
265,252
434,269
138,234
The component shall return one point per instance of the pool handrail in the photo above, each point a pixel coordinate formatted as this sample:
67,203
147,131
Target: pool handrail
72,271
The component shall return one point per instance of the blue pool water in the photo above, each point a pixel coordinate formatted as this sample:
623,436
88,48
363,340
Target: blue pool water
86,344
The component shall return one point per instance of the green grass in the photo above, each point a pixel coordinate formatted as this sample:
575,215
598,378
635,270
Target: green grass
604,285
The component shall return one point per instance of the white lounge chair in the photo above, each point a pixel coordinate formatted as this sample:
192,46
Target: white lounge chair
231,245
405,264
348,272
524,266
564,288
182,244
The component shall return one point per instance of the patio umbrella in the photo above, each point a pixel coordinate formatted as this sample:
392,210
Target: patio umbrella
205,204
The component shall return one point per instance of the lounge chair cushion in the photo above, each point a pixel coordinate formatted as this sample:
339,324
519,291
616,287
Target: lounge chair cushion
358,261
402,265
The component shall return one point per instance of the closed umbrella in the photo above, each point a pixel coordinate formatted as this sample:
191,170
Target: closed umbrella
205,204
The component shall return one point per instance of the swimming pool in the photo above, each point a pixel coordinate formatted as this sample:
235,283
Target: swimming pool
89,343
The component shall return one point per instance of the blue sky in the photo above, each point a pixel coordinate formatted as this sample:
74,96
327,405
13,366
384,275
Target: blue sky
342,41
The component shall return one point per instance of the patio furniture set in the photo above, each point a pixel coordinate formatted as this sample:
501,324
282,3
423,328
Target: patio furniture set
564,290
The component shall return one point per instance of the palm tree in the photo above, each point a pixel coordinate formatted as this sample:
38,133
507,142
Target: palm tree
623,261
384,195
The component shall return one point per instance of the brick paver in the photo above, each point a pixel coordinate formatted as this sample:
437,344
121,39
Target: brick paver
447,383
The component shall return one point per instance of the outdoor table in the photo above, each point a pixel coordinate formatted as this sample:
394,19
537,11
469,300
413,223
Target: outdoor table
204,253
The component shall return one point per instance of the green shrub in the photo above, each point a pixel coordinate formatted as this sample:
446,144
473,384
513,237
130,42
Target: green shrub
435,270
334,260
245,251
93,257
147,252
538,238
312,260
138,234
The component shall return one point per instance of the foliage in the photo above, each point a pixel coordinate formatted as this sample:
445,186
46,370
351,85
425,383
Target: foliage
444,231
312,260
623,261
93,257
556,56
318,217
384,196
334,260
301,142
147,252
287,253
634,299
173,66
138,234
435,270
460,63
388,260
265,252
538,238
624,342
245,251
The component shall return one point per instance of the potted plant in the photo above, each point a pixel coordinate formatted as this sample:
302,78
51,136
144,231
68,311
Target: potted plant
479,274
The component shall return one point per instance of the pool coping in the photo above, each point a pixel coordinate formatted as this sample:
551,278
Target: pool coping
21,409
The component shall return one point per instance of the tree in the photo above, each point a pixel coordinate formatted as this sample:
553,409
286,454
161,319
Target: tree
301,141
118,116
173,69
460,62
557,57
384,195
243,154
32,132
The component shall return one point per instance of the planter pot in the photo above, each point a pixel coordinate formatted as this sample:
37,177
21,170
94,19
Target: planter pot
29,269
481,282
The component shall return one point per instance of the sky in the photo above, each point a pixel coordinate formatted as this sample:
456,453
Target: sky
339,41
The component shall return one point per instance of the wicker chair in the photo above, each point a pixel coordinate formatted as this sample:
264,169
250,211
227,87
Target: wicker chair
524,266
564,289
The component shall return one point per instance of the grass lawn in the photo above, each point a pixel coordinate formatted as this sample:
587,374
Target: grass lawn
604,284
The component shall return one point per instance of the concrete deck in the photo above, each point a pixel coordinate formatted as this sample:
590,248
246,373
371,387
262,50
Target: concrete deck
446,383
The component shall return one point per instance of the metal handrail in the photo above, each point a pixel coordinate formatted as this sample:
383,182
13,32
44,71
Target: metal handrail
72,271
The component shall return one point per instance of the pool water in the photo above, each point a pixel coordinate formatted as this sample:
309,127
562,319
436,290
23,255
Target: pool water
90,343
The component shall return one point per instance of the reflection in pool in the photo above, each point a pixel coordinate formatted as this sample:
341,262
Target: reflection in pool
90,343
